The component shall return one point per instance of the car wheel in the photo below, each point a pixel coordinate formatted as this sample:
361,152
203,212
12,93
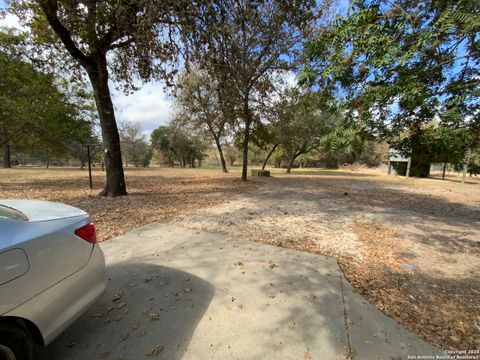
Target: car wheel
15,343
6,353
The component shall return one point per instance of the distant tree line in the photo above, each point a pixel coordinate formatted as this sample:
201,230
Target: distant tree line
404,72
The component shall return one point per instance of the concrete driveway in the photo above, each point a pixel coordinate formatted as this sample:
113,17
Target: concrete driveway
176,293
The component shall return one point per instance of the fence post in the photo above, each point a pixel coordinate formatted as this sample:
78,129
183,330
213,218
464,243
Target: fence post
89,167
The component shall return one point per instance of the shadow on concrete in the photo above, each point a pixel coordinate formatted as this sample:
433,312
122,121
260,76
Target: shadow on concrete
147,309
277,303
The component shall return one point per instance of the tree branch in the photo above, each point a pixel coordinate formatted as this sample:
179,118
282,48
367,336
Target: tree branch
50,8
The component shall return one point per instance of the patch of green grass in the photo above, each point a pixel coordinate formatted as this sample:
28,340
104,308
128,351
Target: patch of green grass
312,172
322,172
274,171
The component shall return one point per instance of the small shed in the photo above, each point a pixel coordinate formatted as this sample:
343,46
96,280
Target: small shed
395,156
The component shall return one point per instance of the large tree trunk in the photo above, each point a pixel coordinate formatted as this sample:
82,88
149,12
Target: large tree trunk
111,139
7,163
96,66
444,170
290,164
246,137
222,158
268,156
292,159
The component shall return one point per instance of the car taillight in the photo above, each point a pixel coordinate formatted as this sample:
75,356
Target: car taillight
87,233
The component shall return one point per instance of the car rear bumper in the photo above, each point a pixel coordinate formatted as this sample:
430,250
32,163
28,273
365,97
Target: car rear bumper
57,307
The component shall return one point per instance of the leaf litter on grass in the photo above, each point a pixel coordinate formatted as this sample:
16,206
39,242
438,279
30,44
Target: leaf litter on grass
444,310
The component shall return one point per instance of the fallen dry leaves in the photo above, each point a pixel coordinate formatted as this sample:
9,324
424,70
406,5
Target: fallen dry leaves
445,313
154,194
157,349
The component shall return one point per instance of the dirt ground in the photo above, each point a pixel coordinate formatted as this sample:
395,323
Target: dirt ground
410,246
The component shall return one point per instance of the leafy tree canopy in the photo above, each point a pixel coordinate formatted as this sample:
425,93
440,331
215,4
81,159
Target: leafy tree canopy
199,104
176,144
396,66
37,113
138,35
243,45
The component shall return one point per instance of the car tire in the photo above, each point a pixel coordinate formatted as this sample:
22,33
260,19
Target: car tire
15,343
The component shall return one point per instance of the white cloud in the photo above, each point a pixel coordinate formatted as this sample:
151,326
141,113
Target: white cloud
150,106
11,21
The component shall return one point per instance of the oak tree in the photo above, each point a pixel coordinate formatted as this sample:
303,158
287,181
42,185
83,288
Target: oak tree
243,44
108,40
199,103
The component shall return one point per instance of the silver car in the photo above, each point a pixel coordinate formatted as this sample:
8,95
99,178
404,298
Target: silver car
51,271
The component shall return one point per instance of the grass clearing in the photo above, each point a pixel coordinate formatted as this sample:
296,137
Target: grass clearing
154,194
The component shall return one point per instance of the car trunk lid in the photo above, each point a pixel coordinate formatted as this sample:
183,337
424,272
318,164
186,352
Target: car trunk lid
37,210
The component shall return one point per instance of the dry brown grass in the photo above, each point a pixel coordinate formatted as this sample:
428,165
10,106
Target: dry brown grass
154,194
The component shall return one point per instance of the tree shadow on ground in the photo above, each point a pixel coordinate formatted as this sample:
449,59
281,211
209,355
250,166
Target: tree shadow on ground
469,180
339,198
75,191
147,309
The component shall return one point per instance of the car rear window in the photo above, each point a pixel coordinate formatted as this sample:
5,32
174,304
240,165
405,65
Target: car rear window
10,213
